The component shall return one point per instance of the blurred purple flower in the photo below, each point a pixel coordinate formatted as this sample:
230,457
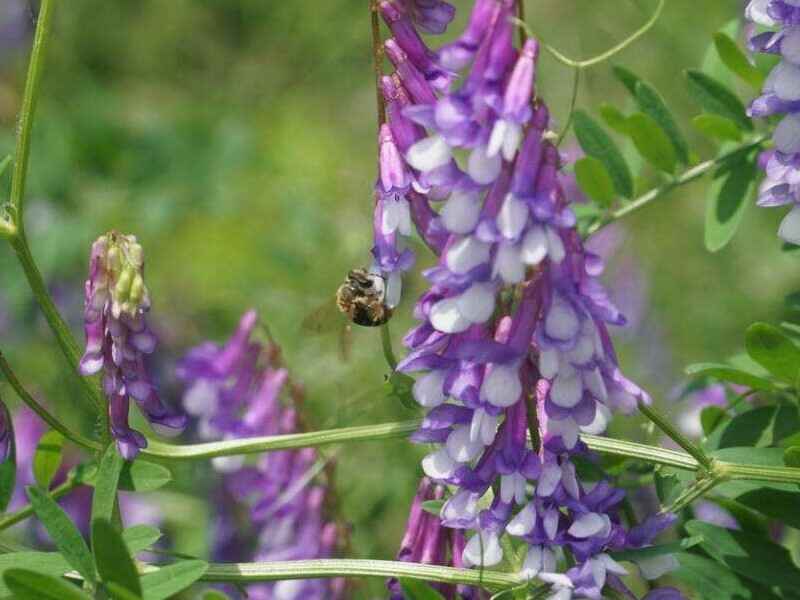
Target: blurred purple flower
15,25
274,509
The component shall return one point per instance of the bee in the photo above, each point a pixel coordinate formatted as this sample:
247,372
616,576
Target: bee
362,297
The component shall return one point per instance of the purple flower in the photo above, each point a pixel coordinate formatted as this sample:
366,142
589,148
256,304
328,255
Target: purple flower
780,95
513,333
118,339
240,389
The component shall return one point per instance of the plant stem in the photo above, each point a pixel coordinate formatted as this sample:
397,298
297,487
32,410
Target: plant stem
576,81
386,345
688,176
41,411
28,110
589,62
651,454
669,429
280,442
344,567
699,488
64,337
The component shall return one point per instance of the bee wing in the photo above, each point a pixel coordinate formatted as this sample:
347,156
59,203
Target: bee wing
326,318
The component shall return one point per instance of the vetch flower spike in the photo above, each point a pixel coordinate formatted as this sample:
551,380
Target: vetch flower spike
118,340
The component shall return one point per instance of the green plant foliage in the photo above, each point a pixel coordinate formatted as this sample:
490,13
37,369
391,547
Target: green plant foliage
717,127
596,143
30,585
594,180
730,195
47,458
114,563
716,98
171,579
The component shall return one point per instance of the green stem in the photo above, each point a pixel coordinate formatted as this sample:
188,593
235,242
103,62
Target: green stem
345,567
28,110
64,337
7,230
651,454
280,442
669,429
386,345
576,81
688,176
42,411
699,488
590,62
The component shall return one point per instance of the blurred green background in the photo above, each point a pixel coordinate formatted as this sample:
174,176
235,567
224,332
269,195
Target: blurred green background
236,139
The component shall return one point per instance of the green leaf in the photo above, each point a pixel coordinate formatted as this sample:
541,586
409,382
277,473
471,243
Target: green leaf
750,428
593,179
736,61
774,350
748,555
8,469
419,590
780,505
669,484
171,579
63,532
139,537
653,105
710,417
47,459
730,194
49,563
715,126
728,373
119,592
433,507
400,390
215,595
710,579
658,550
143,476
105,487
114,563
614,118
791,456
30,585
595,142
716,98
4,164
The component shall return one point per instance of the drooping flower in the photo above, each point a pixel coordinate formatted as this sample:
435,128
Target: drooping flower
240,389
513,344
118,340
780,96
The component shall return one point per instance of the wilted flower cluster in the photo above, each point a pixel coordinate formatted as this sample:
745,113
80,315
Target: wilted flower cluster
118,339
780,96
513,350
273,509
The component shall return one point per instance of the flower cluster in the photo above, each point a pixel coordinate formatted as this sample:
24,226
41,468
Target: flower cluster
400,196
513,341
118,339
780,96
274,509
427,541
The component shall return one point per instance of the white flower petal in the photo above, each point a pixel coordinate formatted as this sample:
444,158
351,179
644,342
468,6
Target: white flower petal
548,363
550,523
533,563
428,390
567,388
587,525
555,247
548,480
790,45
501,386
786,81
429,153
483,549
508,263
512,217
439,465
523,522
483,169
756,11
789,229
534,245
466,254
461,212
476,304
561,322
446,317
460,447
